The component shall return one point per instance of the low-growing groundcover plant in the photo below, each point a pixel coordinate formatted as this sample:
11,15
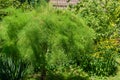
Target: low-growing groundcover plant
12,70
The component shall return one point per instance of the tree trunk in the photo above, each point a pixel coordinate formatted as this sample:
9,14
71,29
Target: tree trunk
43,74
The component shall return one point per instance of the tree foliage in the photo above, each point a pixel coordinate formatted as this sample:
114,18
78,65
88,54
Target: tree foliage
33,36
101,15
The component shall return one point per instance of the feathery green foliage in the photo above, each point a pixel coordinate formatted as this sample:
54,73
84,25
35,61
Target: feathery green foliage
34,36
